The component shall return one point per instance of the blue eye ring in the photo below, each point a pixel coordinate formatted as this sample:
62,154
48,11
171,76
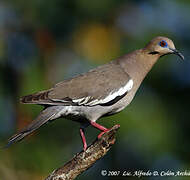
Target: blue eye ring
163,43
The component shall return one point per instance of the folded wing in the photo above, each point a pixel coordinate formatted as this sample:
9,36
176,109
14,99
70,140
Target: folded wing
101,86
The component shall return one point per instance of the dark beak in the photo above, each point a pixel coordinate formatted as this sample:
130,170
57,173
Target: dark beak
176,52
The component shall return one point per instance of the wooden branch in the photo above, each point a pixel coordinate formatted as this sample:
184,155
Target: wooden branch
84,160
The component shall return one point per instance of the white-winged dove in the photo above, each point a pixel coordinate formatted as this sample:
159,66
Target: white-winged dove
103,91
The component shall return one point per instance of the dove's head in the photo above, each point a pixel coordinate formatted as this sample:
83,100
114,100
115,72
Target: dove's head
161,46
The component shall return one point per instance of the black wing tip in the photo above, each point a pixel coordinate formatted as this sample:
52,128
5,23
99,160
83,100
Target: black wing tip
36,98
26,99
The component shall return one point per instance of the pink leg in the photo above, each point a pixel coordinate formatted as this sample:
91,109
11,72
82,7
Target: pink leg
100,127
83,139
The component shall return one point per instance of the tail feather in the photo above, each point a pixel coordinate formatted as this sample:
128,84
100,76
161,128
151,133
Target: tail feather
46,115
16,138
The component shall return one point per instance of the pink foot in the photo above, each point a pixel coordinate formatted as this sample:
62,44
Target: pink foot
101,128
100,135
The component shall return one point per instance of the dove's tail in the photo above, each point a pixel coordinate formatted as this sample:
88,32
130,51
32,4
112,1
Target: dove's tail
45,116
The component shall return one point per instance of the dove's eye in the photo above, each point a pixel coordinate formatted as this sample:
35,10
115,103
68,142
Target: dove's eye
163,43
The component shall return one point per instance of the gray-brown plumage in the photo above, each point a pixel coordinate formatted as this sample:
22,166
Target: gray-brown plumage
102,91
95,84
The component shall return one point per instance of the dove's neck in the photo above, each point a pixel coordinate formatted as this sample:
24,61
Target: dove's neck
137,64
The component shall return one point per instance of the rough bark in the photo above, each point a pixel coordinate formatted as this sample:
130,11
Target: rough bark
84,160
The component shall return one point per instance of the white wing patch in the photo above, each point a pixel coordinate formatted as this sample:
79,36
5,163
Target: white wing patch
82,100
112,95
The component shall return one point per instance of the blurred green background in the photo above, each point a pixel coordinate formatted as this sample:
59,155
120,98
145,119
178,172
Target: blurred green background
43,42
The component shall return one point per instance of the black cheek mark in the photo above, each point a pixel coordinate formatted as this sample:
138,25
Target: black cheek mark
154,52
